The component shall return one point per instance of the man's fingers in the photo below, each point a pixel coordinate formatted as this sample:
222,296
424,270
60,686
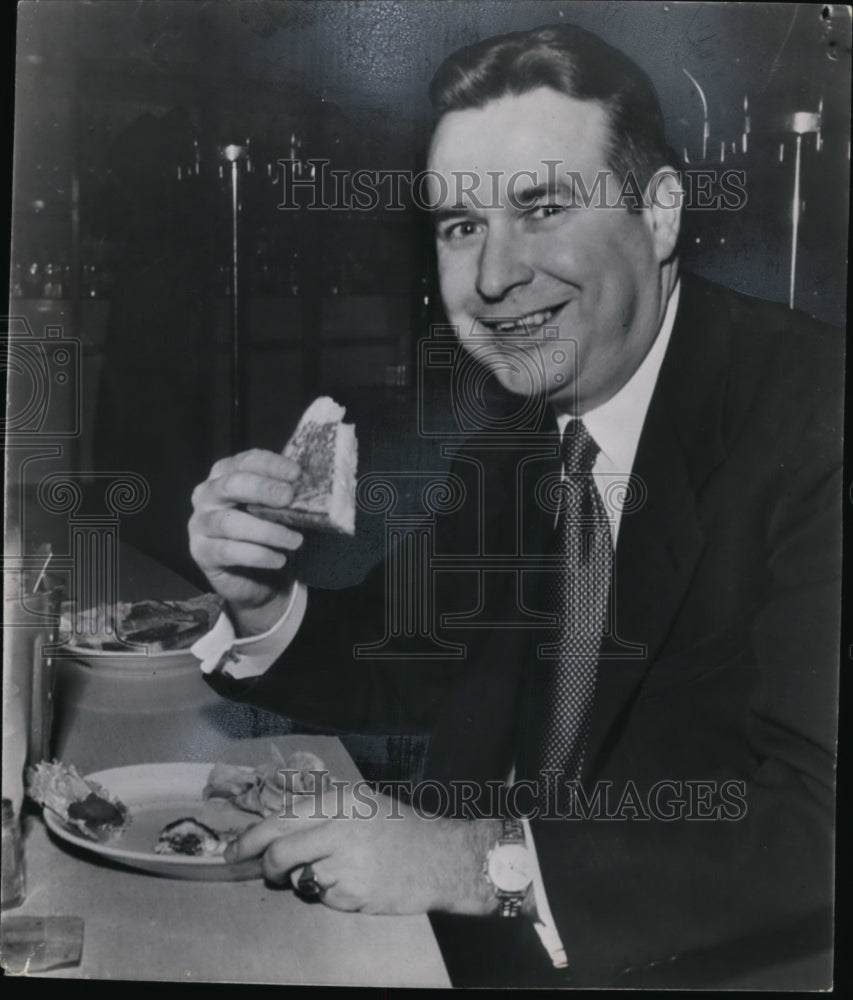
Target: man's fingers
333,893
285,850
297,850
236,525
252,487
241,488
319,871
240,555
257,460
254,841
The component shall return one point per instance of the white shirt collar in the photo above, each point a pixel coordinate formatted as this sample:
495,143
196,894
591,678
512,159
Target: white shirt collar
616,424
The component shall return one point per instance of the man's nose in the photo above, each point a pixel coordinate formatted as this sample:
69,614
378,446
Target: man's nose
501,267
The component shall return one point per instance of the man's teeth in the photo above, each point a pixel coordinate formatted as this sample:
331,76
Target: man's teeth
528,322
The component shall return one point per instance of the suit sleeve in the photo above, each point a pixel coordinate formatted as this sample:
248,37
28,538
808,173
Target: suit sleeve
321,680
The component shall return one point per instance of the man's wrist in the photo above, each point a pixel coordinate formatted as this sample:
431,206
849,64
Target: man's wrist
461,884
464,885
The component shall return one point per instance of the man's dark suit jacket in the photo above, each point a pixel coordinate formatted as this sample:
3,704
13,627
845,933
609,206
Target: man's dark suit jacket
727,577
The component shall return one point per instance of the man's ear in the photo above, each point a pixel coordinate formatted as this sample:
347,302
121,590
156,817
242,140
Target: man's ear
664,199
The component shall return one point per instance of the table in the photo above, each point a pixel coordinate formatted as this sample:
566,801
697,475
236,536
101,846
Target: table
141,927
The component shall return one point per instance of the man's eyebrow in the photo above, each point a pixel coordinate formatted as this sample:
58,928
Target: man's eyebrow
528,195
519,199
452,212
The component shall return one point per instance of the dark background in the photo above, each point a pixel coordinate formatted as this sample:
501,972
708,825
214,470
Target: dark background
350,79
122,222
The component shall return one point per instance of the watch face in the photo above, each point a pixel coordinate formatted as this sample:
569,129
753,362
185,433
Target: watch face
509,867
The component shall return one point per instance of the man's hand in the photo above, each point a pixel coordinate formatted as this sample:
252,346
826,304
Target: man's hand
373,854
242,556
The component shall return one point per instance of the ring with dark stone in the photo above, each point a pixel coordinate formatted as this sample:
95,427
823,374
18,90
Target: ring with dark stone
307,884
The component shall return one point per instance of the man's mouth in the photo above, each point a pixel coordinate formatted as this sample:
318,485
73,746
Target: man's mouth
526,324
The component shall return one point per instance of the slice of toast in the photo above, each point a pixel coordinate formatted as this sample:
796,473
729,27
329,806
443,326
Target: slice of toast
326,450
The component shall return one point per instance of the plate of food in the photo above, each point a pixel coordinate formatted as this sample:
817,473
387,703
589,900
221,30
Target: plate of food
175,819
145,631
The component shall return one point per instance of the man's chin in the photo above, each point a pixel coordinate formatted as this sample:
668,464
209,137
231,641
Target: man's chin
526,376
518,381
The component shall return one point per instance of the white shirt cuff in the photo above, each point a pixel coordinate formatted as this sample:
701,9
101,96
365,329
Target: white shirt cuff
544,921
220,651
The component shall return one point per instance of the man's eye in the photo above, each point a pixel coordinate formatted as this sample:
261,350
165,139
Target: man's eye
458,230
547,211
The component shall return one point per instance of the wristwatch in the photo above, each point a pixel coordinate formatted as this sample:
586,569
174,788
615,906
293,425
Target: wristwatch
508,868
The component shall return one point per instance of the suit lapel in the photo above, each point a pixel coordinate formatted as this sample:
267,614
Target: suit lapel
660,541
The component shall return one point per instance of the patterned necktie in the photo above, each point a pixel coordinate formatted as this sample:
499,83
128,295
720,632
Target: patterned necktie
564,687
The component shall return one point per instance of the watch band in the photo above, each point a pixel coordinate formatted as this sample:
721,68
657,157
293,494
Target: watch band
509,903
513,830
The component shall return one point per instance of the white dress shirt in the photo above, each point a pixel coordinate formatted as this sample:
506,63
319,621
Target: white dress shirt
615,426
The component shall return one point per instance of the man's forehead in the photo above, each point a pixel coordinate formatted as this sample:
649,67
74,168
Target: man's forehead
517,133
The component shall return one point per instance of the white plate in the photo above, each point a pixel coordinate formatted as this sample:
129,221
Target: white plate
157,794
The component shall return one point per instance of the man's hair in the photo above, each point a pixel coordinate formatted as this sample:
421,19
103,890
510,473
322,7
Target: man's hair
574,62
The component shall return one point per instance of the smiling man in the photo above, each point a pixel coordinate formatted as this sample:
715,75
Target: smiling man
642,724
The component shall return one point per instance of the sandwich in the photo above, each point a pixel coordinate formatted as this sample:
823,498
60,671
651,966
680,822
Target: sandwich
326,451
82,805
